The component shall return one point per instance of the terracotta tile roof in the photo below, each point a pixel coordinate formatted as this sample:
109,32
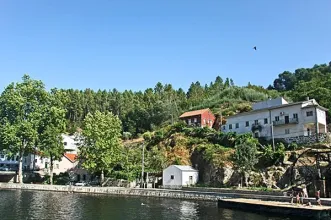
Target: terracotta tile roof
71,157
193,113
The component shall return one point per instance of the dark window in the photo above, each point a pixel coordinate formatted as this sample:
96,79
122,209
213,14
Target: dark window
256,134
84,177
247,123
256,122
277,118
287,131
35,160
172,177
265,121
310,113
230,126
295,115
224,127
65,143
237,125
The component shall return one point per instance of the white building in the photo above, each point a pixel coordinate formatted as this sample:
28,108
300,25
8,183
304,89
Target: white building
8,162
68,161
176,176
295,122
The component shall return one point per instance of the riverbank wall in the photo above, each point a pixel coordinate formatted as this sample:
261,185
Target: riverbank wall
162,193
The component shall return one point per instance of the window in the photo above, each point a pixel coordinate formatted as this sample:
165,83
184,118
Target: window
256,122
287,131
256,134
295,115
2,156
224,127
57,166
65,143
277,118
84,177
195,120
265,121
35,160
17,158
237,125
310,113
41,161
192,120
247,123
172,177
230,126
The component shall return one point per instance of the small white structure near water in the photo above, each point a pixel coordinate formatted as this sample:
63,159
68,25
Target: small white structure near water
176,176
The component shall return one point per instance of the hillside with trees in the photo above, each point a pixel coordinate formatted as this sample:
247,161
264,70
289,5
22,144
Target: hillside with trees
159,106
312,82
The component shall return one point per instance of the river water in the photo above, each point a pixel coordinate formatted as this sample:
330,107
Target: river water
26,205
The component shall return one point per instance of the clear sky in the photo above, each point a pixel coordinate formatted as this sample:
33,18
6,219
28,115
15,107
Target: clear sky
131,44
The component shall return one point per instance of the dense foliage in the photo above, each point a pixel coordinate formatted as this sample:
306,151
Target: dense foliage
161,105
100,144
312,82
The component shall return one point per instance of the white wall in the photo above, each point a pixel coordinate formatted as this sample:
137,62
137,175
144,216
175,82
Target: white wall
63,166
241,119
166,177
186,177
69,143
269,103
294,129
321,116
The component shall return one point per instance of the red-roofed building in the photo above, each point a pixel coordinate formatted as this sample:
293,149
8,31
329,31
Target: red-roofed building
201,118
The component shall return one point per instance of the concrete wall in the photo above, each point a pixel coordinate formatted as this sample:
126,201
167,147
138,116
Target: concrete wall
269,103
166,177
180,194
186,177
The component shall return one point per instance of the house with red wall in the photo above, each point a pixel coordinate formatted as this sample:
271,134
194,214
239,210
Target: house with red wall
201,118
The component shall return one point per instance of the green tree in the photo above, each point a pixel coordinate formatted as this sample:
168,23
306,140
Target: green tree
50,130
100,142
20,114
245,155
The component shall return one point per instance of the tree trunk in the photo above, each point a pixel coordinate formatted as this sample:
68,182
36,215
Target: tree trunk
51,171
102,177
20,168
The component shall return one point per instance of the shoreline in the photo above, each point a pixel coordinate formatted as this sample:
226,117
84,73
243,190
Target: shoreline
187,193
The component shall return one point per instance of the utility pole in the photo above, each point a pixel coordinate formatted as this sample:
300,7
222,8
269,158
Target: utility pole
142,166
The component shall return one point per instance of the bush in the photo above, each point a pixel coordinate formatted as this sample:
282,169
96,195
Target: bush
147,136
127,136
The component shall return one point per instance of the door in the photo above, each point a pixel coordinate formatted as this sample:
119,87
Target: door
287,119
190,180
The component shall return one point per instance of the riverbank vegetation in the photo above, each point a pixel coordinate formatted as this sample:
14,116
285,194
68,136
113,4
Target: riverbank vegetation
32,119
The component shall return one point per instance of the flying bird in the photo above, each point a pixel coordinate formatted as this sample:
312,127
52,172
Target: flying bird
254,48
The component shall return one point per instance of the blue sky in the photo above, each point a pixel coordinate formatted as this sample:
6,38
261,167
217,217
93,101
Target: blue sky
130,44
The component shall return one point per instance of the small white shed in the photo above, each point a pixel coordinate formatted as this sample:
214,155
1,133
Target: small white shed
176,176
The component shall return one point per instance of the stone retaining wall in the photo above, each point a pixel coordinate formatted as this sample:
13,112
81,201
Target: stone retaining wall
233,191
180,194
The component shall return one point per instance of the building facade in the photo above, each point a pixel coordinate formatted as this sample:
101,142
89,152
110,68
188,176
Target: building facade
200,118
276,118
176,176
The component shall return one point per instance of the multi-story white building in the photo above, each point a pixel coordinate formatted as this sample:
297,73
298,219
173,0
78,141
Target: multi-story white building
276,118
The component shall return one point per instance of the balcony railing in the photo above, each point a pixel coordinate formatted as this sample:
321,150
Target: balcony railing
285,122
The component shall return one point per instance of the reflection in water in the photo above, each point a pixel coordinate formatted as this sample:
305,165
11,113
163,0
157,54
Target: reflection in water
188,210
26,205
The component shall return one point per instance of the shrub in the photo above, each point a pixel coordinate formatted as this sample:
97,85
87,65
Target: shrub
147,136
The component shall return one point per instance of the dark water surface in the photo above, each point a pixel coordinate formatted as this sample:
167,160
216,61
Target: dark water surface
26,205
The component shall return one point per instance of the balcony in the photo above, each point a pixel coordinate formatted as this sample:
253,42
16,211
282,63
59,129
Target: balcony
286,121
